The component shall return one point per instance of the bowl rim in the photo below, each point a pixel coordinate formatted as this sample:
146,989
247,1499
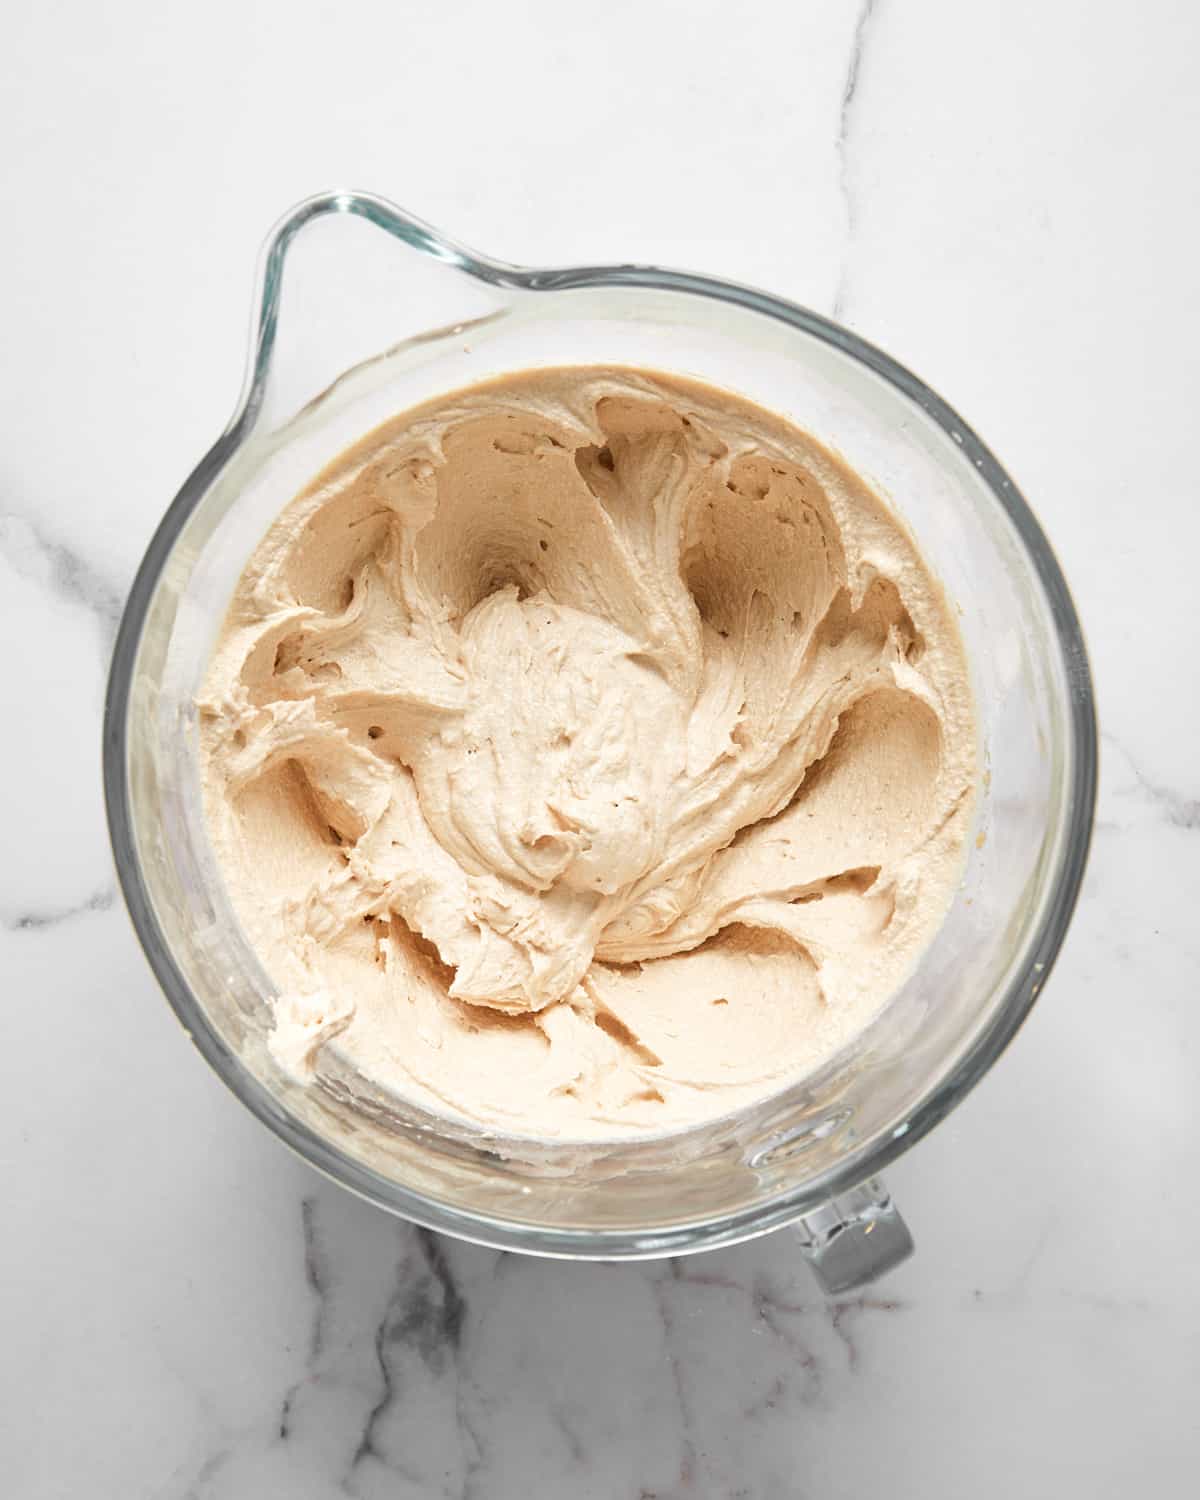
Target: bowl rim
938,1100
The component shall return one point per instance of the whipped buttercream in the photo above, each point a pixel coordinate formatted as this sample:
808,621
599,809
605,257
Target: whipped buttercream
589,752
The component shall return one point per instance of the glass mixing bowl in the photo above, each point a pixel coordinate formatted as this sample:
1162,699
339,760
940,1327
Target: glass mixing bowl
362,311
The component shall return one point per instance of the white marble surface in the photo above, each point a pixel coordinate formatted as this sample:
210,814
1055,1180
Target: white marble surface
1006,197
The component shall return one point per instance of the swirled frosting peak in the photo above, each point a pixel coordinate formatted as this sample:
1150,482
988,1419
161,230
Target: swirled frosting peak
588,752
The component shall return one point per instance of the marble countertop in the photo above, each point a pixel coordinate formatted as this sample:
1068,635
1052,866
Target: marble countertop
1006,198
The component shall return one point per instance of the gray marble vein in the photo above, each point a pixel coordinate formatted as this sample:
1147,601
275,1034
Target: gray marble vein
50,563
318,1279
846,120
424,1317
784,1319
843,1316
316,1276
666,1313
206,1475
1173,805
1176,807
38,919
795,1324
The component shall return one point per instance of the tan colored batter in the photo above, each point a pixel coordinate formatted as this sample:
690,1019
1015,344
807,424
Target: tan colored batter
587,753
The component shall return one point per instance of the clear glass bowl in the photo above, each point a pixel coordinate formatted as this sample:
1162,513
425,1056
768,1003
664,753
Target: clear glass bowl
353,325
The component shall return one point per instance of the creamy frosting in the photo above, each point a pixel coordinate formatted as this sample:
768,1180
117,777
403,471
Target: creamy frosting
588,752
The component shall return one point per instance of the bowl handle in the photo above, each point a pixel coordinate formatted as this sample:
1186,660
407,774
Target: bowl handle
854,1238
